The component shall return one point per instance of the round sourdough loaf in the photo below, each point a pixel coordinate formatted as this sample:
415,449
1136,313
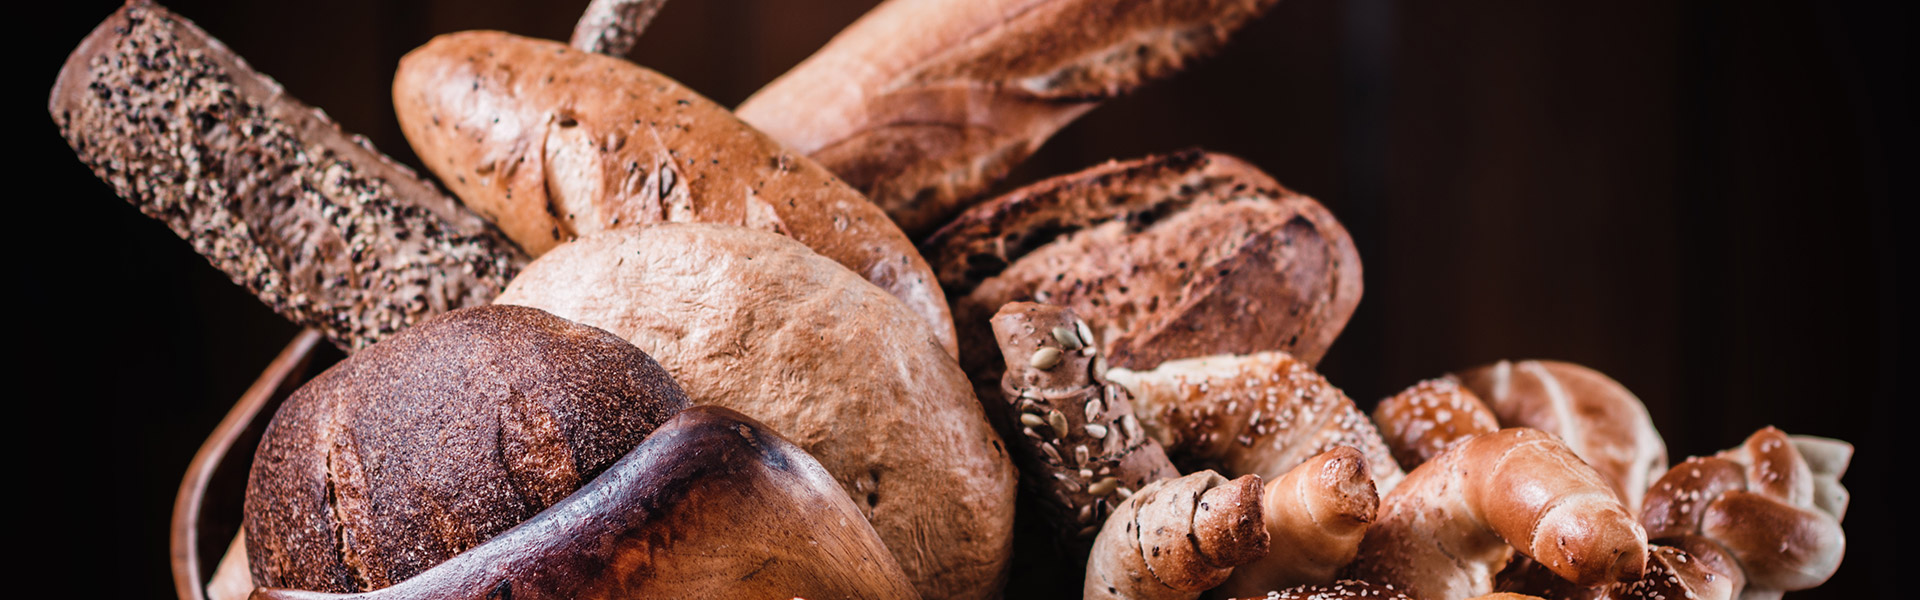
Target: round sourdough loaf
440,437
758,323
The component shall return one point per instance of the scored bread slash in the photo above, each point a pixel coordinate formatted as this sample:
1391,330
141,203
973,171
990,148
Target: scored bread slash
1082,417
323,228
924,104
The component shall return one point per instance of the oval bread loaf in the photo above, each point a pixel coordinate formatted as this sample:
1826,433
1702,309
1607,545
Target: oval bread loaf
758,323
428,443
552,143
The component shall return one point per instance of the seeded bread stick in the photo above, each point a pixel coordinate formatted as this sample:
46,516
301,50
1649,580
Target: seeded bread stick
1077,442
322,227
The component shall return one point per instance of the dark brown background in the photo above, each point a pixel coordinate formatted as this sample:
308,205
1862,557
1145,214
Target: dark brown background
1693,197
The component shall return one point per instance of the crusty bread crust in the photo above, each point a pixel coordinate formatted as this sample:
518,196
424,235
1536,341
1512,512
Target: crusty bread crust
552,143
1167,257
922,104
435,440
760,324
323,228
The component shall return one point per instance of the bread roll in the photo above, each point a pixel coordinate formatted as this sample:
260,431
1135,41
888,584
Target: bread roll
1602,422
758,323
712,505
444,435
552,143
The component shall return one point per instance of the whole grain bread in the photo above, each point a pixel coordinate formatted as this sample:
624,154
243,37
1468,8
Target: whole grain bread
758,323
438,438
323,228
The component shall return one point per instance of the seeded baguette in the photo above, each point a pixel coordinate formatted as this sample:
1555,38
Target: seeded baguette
1078,444
551,143
323,228
922,104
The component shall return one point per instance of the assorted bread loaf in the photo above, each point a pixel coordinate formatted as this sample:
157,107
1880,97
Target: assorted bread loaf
552,143
758,323
821,422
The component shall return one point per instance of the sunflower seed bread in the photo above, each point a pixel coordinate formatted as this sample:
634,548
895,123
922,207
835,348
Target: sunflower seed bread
323,228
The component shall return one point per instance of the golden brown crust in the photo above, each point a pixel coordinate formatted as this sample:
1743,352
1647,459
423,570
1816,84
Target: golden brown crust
758,323
924,103
1176,538
1259,414
1603,423
438,438
552,143
1761,503
323,228
1348,589
1317,514
1422,421
1079,445
1455,520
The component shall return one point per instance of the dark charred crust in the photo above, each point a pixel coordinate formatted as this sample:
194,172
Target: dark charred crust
432,442
321,227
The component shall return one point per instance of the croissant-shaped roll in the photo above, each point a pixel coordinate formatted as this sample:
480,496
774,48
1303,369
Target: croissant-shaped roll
1316,514
1259,414
1596,417
1176,538
1458,518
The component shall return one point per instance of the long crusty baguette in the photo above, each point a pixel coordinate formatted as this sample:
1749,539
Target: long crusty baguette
1459,517
552,143
311,219
924,103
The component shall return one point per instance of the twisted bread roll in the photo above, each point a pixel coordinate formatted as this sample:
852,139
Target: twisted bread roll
922,104
1317,514
1455,520
1259,414
1765,504
1424,420
1176,538
1596,417
1078,443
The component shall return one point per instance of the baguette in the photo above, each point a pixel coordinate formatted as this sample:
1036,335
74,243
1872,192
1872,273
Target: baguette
323,228
922,104
551,143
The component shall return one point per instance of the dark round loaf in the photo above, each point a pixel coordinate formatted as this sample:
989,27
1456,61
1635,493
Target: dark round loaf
436,439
